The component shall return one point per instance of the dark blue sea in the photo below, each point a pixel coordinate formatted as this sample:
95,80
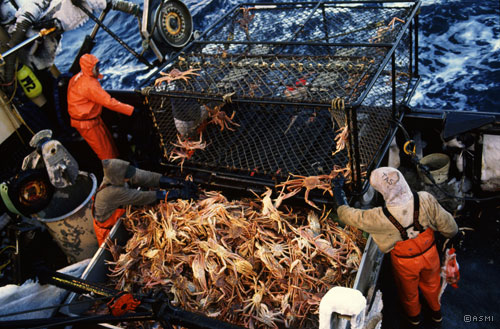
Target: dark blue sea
459,51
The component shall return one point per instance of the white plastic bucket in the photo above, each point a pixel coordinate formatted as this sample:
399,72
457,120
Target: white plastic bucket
438,164
69,218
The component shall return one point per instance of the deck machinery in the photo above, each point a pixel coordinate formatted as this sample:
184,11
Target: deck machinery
293,75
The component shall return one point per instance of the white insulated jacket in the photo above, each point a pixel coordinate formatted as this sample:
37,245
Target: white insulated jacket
385,234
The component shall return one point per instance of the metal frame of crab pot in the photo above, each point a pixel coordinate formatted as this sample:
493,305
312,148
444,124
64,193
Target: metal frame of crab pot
382,62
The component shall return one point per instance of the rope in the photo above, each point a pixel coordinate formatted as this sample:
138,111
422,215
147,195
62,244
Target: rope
338,104
15,83
8,262
14,112
20,118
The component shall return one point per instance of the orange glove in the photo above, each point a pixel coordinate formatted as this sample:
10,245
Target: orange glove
452,274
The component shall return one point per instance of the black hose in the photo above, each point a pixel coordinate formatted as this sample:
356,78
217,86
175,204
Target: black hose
10,61
400,125
61,321
126,7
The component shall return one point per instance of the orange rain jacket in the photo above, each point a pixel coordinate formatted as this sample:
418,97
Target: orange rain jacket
85,101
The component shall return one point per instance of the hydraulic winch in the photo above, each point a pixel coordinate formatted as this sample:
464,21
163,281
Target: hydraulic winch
165,25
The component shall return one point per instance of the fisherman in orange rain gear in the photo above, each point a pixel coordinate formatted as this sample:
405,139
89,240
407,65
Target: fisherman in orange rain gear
404,227
85,101
116,191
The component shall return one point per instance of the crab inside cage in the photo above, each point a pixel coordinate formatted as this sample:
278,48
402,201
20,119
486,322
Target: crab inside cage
285,91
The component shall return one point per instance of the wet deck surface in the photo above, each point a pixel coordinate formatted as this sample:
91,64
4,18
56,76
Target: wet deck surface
475,303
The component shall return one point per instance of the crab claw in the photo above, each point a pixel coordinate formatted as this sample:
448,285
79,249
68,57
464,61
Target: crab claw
306,198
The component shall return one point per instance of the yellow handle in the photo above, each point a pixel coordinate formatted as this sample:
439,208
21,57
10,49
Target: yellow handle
407,145
44,32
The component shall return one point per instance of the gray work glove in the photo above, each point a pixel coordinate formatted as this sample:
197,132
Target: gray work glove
168,183
338,190
186,193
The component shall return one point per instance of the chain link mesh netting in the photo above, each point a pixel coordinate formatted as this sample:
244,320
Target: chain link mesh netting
271,139
292,75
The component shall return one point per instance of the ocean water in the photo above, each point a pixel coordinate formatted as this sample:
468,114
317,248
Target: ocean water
459,51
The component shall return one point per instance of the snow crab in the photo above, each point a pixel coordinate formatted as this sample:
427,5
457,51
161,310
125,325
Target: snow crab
176,74
246,19
341,139
383,30
346,172
221,118
322,182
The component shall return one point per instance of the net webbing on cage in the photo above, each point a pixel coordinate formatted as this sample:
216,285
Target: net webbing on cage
254,97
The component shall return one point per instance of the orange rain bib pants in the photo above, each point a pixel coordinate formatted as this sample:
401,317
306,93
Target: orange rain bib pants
98,137
86,98
415,264
102,229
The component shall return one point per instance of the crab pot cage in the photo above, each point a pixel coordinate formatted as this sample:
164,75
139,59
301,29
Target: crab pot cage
288,77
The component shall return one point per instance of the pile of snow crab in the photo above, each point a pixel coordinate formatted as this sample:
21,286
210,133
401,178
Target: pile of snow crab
247,262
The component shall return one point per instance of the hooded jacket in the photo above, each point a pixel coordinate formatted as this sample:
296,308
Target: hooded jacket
399,201
86,97
115,192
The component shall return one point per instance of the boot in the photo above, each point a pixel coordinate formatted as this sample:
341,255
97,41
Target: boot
413,321
436,316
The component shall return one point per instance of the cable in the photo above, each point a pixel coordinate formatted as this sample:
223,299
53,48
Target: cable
15,83
405,132
157,15
70,320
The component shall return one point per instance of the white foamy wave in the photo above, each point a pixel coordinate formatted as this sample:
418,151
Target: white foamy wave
456,63
459,51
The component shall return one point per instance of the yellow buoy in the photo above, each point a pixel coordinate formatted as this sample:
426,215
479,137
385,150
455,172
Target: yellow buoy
31,85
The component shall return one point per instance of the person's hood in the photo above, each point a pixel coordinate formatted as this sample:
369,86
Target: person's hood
392,185
114,171
87,63
70,16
